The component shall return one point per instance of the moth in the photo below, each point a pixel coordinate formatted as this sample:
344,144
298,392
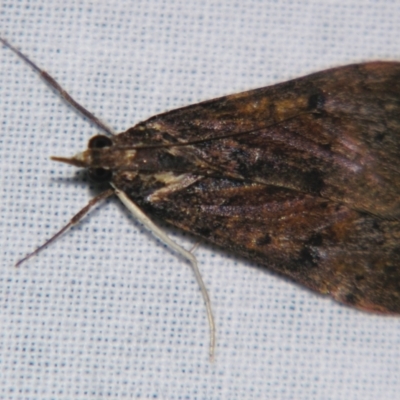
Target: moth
301,177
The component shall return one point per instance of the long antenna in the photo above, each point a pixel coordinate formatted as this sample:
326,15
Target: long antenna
60,91
132,207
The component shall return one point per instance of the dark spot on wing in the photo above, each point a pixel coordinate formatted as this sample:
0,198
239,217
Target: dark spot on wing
316,102
169,162
204,231
314,181
379,137
315,240
391,271
307,258
262,241
350,298
359,278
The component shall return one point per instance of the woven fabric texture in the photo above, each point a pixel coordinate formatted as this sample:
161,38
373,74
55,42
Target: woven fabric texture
107,311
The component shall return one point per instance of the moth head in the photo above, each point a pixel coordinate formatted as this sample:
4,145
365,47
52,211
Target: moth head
92,159
99,142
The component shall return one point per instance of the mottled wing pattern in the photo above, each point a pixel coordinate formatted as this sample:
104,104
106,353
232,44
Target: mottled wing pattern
301,177
335,134
324,245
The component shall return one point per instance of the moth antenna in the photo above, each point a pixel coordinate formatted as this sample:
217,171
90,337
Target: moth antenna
60,91
164,238
74,220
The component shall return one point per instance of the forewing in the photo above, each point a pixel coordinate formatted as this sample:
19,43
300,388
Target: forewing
323,245
301,177
334,134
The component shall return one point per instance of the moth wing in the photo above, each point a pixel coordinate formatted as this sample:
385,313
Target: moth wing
323,245
334,134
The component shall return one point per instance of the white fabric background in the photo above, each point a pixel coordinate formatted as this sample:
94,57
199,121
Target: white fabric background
109,312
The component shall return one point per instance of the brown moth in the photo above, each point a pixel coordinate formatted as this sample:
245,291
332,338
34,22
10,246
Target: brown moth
301,177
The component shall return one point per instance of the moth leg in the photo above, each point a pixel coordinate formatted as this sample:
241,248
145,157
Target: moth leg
74,220
194,247
60,91
164,238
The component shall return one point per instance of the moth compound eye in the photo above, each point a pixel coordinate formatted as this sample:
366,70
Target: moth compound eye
100,174
99,141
